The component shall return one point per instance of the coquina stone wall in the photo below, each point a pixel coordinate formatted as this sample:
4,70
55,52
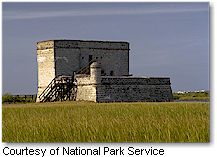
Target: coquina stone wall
72,55
87,84
134,89
46,65
86,89
95,87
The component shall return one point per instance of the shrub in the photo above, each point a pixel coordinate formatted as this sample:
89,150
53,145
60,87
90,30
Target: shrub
7,98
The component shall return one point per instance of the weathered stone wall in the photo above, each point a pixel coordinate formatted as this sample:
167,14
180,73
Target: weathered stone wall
87,84
46,67
134,89
42,45
123,89
72,55
66,61
86,90
107,80
95,87
68,56
91,44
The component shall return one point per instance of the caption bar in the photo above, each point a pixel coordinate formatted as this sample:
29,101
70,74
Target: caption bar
79,151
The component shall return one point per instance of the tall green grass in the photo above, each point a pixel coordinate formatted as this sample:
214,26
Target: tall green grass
106,122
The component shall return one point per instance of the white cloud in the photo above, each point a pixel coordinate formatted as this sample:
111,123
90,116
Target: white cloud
13,15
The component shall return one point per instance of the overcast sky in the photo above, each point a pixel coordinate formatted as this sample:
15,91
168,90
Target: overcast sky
166,39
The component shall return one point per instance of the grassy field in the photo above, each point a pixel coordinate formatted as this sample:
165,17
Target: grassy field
106,122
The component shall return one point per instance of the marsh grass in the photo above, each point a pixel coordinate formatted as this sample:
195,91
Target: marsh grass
197,96
106,122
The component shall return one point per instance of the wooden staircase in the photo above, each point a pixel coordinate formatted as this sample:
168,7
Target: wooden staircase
60,88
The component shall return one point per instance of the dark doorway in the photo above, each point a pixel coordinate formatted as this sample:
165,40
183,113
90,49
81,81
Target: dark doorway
111,73
90,57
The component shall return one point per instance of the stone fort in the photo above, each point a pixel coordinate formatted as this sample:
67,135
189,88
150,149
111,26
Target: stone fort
93,71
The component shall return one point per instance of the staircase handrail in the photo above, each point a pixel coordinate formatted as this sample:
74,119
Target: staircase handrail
56,80
48,87
85,67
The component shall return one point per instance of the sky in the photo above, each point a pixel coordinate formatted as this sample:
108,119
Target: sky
166,39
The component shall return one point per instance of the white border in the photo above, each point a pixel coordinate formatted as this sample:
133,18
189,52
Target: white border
171,149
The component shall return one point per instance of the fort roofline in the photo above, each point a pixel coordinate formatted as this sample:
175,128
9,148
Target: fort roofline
127,77
99,41
79,44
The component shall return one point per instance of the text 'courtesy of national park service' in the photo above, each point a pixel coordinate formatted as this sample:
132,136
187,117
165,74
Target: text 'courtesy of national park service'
79,151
